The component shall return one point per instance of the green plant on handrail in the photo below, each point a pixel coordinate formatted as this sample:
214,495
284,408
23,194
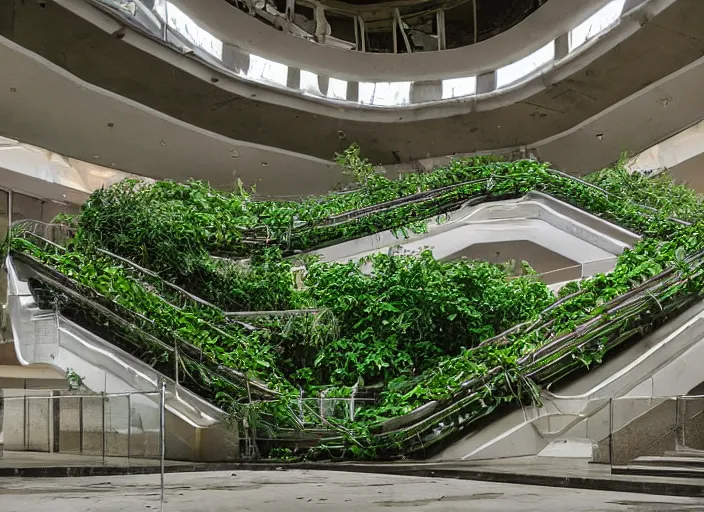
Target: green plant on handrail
171,263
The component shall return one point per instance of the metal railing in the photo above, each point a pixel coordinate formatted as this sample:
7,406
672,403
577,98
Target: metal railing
77,428
99,427
166,23
550,363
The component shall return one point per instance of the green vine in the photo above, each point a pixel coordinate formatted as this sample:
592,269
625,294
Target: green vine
187,267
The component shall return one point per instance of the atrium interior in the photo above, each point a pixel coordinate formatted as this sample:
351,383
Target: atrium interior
422,239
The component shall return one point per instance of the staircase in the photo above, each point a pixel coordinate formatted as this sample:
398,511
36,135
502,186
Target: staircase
675,449
193,426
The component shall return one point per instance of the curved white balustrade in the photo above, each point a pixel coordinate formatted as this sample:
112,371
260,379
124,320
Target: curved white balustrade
578,421
171,25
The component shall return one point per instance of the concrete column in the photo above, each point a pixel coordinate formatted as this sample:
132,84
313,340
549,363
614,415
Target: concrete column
562,46
323,84
422,92
293,80
486,82
353,91
235,59
2,422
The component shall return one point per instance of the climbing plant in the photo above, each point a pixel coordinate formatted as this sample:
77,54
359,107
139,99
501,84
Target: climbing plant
224,286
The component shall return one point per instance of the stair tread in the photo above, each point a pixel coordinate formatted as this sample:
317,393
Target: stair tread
686,452
668,459
666,471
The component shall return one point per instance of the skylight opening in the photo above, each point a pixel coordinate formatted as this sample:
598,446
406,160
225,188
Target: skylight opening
456,87
385,93
596,24
527,65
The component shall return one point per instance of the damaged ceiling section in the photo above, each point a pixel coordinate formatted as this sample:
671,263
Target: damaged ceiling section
405,26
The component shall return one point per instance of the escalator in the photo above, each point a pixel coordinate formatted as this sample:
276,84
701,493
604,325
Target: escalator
47,337
50,327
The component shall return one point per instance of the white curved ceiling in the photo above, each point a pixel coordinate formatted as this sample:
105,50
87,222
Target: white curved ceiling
235,27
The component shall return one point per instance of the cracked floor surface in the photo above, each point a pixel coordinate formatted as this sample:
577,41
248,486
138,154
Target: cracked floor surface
299,490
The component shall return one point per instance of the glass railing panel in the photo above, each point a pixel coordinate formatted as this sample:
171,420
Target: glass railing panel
337,89
524,67
642,427
70,418
309,83
144,421
690,425
457,87
169,23
385,93
267,70
177,20
596,24
80,428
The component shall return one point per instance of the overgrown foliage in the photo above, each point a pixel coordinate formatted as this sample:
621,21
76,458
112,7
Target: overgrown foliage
189,262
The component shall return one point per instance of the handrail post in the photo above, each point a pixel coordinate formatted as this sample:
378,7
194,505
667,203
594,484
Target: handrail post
129,428
102,407
354,393
162,441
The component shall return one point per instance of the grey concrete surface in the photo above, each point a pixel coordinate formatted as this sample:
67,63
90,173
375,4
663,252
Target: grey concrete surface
307,490
13,459
532,471
544,471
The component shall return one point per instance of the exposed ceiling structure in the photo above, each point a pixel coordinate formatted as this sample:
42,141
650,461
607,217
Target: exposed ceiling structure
170,123
404,26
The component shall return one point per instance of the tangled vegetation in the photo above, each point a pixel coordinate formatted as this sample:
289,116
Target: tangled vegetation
222,286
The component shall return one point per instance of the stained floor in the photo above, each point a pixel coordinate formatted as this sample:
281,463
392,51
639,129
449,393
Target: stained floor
300,490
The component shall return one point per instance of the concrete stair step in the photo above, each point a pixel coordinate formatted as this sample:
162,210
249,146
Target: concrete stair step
670,461
685,452
662,471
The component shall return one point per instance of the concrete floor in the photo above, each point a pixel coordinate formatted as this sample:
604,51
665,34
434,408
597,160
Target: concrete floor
299,490
12,459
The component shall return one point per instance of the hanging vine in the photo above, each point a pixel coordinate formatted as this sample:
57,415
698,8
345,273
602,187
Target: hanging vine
189,276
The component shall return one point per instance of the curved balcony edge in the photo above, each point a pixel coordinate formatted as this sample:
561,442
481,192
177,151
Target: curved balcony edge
237,28
542,78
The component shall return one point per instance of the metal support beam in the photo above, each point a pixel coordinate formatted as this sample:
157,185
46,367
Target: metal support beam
290,9
356,33
442,38
397,16
393,34
320,24
474,15
165,26
362,33
288,14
